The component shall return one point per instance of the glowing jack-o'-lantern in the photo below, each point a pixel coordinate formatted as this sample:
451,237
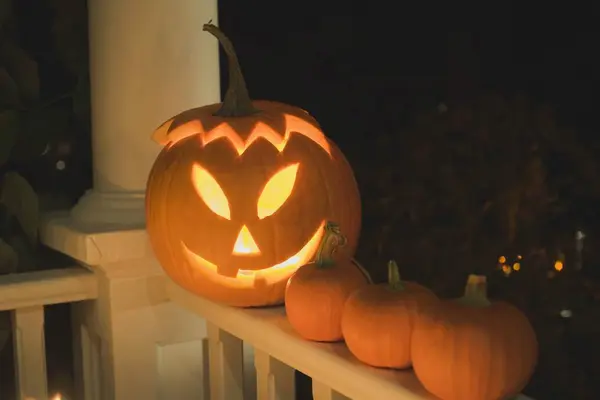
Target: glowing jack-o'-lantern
238,198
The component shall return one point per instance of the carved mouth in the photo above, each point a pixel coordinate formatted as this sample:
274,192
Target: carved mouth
290,265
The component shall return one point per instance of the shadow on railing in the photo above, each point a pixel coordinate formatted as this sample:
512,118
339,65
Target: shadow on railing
25,295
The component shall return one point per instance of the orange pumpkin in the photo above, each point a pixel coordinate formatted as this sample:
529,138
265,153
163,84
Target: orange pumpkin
316,293
237,199
471,348
377,321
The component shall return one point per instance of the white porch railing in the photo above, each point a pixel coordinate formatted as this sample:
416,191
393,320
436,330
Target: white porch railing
26,295
278,351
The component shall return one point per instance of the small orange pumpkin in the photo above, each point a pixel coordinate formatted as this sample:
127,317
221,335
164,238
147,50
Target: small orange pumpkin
377,321
316,293
472,348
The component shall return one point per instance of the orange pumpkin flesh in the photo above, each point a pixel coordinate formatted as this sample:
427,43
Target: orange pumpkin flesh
316,293
231,210
378,320
474,349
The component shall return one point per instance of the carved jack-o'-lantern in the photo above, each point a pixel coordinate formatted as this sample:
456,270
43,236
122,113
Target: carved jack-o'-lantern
238,198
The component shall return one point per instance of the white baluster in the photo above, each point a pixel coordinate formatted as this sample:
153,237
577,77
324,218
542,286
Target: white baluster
324,392
226,365
30,352
274,379
206,369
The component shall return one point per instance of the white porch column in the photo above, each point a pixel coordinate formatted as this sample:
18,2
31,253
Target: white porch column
149,60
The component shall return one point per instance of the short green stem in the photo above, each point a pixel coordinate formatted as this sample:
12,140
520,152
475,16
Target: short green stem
237,102
394,281
476,292
331,241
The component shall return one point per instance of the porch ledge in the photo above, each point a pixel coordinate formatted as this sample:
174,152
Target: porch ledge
92,244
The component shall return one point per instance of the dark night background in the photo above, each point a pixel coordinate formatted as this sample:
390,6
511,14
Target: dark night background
444,111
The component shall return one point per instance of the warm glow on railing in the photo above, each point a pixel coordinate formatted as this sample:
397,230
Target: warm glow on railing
57,396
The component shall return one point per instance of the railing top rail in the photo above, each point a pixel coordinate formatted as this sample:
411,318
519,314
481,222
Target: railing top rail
47,287
267,329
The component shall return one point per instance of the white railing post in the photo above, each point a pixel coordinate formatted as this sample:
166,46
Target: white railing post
30,353
226,359
275,380
134,343
149,60
323,392
25,295
279,350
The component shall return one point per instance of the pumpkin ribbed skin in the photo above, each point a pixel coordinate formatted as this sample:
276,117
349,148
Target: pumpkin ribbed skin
315,298
324,189
378,322
474,351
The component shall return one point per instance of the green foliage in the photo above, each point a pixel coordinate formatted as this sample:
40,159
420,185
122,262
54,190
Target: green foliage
39,126
19,217
70,37
9,259
32,117
9,127
22,69
21,201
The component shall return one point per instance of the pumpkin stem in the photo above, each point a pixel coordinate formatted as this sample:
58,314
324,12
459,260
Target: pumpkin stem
476,292
237,102
331,241
394,282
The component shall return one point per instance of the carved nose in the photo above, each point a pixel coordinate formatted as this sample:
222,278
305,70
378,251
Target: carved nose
245,244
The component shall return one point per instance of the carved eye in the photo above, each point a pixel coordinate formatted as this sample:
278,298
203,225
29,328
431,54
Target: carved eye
276,191
211,193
